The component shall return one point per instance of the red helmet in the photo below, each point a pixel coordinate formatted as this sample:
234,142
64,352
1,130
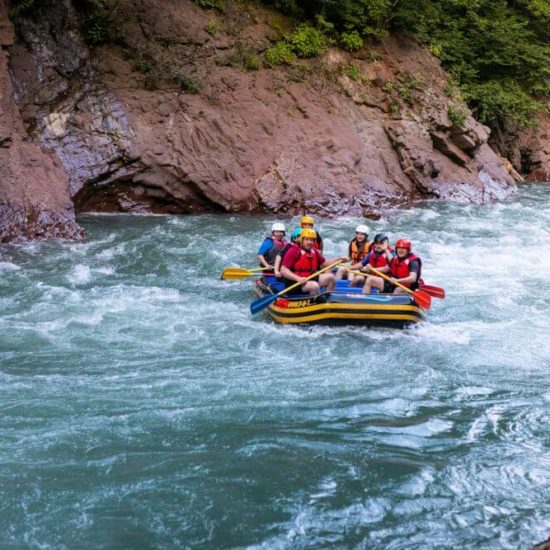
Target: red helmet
404,243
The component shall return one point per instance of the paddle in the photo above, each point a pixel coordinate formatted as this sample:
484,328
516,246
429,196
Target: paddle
235,273
435,291
423,299
257,305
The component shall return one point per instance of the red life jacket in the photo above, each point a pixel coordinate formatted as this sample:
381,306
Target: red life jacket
283,252
377,260
399,268
307,263
357,251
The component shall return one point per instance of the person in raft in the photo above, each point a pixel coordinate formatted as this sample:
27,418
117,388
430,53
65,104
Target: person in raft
358,248
379,256
302,260
405,268
281,254
307,222
272,245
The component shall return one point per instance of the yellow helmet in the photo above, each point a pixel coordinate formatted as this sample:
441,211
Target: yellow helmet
307,219
308,233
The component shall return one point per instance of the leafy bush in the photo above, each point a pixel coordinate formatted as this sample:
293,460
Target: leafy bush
245,57
409,82
252,61
307,41
288,7
352,72
280,54
457,115
351,41
216,4
143,66
98,20
188,83
20,7
212,28
502,99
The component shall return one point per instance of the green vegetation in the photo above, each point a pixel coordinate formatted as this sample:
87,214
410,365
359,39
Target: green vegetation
352,72
457,114
97,17
497,51
158,70
351,41
212,28
216,4
252,62
388,87
288,7
280,54
307,41
20,7
142,65
245,57
160,74
408,83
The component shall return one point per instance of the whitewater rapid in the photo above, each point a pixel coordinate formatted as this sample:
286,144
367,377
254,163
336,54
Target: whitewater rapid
143,406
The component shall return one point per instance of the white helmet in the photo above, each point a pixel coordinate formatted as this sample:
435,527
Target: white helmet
277,226
362,229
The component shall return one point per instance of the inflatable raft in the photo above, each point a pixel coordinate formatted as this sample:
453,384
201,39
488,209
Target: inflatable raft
344,305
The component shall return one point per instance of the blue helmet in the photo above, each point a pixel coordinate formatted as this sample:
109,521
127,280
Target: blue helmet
295,235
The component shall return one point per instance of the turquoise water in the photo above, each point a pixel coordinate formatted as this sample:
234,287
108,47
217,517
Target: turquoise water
142,406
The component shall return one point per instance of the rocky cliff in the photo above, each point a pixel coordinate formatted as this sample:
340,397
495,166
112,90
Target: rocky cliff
34,192
180,115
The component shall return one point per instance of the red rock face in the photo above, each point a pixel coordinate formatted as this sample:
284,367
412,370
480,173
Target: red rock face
534,148
310,137
34,195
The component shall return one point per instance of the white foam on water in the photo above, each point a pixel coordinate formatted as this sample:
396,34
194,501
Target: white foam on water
450,333
9,266
105,270
110,253
80,274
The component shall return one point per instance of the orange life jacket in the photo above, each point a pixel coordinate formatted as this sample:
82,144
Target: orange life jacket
357,251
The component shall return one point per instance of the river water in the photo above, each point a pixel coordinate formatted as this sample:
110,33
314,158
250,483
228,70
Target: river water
143,406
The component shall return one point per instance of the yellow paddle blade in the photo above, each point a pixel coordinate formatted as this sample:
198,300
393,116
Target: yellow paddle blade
235,273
